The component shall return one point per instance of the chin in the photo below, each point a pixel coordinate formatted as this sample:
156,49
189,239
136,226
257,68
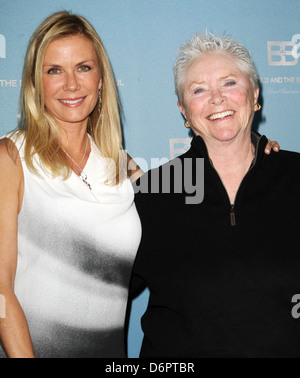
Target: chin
225,135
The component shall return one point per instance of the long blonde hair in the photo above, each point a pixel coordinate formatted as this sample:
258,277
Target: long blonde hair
42,135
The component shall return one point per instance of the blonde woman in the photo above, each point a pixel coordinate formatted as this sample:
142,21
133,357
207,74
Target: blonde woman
69,230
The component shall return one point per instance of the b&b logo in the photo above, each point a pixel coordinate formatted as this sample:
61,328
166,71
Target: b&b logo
2,47
179,146
296,48
284,53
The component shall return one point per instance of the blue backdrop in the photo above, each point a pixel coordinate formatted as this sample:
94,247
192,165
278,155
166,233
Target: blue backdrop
142,37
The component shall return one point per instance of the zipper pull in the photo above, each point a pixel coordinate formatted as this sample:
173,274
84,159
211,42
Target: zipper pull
232,216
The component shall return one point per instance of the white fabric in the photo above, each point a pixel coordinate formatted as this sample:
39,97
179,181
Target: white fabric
75,254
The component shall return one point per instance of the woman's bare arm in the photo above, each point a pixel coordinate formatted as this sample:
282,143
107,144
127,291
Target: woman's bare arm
14,334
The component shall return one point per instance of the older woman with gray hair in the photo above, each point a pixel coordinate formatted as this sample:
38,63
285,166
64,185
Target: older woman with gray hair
222,273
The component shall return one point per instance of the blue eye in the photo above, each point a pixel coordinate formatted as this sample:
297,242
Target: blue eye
53,71
230,83
84,68
198,90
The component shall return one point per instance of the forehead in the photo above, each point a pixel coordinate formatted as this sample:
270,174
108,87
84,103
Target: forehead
70,46
214,65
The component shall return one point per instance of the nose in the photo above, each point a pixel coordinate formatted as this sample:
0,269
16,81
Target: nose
71,82
217,97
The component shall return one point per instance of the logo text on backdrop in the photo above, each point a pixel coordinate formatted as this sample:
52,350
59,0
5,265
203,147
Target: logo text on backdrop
2,47
284,53
179,146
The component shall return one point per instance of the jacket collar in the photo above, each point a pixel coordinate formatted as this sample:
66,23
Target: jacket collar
259,142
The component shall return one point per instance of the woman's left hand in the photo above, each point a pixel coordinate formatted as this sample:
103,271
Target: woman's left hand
271,145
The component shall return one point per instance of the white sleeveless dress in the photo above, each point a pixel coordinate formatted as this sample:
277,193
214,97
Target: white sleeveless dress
76,248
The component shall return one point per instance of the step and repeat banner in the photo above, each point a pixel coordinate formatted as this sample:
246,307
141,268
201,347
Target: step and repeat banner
142,38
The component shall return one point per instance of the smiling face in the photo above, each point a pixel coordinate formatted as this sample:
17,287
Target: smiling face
71,80
218,98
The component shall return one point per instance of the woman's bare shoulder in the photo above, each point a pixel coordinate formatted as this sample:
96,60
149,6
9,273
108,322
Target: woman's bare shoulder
10,163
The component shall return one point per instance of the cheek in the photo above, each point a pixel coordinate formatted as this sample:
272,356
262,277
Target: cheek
94,92
196,108
50,87
243,97
92,87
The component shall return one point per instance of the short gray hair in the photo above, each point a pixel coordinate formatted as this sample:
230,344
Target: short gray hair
209,43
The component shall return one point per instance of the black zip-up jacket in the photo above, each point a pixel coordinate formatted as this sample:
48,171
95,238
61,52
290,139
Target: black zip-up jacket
224,278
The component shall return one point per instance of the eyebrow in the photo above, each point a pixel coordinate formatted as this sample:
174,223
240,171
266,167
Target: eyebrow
50,64
46,64
227,76
85,62
196,83
220,79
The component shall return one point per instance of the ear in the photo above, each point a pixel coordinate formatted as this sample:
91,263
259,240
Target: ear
181,108
256,95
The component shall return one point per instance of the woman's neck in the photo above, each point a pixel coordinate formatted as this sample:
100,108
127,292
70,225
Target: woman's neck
74,140
232,161
75,144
